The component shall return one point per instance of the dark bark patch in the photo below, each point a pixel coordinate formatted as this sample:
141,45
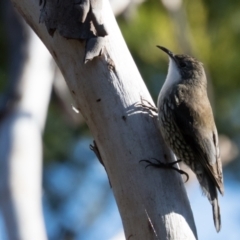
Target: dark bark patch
76,19
124,118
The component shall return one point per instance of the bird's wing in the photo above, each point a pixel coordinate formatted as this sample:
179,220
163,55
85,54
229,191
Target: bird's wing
202,140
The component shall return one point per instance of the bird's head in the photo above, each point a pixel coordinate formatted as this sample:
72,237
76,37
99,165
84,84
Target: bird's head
185,66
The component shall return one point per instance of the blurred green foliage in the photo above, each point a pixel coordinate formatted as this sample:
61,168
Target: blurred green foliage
60,134
57,136
212,31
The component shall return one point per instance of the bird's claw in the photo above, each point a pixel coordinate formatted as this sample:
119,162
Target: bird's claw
160,164
147,105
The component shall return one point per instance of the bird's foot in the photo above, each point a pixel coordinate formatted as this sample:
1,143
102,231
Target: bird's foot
159,164
147,105
95,149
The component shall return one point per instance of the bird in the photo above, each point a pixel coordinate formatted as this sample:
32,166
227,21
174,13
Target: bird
186,122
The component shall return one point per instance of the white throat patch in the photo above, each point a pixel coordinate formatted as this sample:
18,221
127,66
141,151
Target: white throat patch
173,77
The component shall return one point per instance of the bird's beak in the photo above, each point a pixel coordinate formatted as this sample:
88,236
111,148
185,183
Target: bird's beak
169,53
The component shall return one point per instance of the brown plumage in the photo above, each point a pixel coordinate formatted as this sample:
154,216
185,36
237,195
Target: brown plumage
187,124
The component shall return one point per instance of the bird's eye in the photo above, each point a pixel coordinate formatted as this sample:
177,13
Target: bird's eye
182,64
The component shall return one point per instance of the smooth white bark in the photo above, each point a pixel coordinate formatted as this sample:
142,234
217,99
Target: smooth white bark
152,202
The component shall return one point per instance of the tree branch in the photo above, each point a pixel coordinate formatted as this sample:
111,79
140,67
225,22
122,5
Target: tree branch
152,202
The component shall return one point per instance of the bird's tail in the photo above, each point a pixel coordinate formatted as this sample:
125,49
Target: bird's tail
216,213
210,190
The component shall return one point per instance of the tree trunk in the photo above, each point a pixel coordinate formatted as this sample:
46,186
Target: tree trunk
22,120
152,202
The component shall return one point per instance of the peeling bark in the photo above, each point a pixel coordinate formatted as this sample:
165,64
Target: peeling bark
76,19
